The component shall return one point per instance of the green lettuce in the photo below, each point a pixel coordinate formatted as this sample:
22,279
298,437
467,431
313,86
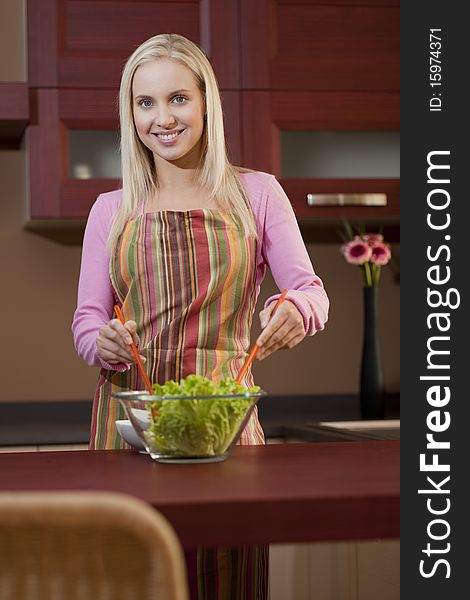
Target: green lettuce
196,385
195,426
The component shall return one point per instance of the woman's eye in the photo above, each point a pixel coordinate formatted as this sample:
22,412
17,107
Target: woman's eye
179,99
145,103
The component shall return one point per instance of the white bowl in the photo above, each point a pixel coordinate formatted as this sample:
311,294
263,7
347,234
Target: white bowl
142,417
129,435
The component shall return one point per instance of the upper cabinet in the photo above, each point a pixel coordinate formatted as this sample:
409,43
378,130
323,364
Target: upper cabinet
283,66
321,66
77,44
14,91
14,110
320,45
76,52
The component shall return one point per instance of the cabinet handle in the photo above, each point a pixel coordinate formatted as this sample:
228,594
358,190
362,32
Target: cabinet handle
347,199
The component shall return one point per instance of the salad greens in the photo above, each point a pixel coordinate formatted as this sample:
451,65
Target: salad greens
197,426
196,385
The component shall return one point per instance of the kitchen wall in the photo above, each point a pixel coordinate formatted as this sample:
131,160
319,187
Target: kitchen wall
39,280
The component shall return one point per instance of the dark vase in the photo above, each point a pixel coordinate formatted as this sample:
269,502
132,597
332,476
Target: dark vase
371,392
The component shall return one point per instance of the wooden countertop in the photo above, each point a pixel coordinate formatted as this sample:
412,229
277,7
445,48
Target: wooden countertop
278,493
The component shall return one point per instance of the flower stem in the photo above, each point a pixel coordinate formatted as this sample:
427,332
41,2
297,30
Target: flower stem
367,275
377,274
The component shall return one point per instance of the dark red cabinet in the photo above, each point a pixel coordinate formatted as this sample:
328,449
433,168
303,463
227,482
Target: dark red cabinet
295,65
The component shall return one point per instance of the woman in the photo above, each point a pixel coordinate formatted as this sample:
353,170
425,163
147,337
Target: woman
183,248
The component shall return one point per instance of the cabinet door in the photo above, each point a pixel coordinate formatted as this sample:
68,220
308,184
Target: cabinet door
77,44
362,570
320,45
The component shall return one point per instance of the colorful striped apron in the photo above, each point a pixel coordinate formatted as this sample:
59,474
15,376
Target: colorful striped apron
188,280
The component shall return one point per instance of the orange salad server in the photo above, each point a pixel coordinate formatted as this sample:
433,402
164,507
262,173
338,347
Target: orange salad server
143,372
255,348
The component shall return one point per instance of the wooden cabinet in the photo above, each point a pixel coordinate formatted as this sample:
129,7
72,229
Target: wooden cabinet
320,45
320,66
77,44
282,65
361,570
76,52
14,111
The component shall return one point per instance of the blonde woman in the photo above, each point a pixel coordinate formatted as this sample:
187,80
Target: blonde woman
183,248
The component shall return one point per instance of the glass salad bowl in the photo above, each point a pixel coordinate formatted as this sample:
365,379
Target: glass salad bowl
189,429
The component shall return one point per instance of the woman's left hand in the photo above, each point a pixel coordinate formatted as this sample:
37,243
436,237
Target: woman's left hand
284,330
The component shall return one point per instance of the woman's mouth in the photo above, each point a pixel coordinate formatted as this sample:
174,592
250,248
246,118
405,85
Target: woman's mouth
168,138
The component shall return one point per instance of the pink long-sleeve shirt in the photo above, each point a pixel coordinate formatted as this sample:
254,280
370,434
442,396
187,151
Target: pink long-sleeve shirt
280,247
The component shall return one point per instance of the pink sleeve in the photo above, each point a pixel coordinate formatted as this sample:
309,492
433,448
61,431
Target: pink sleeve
284,251
95,295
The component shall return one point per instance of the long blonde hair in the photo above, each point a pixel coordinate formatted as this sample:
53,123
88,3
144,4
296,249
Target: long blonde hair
216,174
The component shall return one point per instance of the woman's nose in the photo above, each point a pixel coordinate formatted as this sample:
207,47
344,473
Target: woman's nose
164,118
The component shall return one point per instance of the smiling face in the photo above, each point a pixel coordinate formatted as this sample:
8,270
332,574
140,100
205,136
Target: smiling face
168,110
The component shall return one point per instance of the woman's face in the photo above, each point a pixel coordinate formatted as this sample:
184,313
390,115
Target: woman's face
168,112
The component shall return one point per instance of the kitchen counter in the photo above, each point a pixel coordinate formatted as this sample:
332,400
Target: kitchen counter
278,493
68,422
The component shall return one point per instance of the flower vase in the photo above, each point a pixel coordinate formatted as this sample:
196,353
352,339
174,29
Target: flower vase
371,393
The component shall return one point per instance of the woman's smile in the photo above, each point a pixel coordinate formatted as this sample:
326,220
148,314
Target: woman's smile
168,138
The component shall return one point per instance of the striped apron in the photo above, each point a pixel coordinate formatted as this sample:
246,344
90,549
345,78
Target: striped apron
188,280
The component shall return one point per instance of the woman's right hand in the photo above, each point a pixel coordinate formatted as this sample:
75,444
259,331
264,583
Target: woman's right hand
114,340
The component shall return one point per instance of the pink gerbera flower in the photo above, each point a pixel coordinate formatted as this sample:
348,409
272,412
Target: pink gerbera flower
380,254
356,252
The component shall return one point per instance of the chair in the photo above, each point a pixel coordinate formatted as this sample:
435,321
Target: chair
87,545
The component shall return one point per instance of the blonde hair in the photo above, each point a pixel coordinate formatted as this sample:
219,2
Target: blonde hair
216,173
